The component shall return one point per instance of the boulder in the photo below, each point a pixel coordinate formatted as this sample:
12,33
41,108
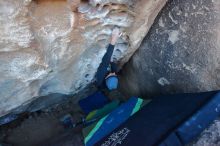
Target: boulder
181,52
56,46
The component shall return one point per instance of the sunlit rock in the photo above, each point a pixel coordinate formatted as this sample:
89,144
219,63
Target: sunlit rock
56,46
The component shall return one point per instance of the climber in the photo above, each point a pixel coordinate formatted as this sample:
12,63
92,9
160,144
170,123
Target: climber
107,69
106,83
106,80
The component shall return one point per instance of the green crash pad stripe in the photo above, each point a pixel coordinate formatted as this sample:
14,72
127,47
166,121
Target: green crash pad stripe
137,106
91,115
94,129
98,125
103,111
99,114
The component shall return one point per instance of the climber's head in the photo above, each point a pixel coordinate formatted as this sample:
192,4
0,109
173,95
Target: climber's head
111,81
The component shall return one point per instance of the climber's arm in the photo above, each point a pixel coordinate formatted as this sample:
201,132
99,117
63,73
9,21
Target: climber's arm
102,70
103,67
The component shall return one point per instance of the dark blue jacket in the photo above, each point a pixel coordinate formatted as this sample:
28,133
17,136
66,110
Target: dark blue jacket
103,67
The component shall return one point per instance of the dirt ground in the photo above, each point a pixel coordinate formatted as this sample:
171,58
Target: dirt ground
43,128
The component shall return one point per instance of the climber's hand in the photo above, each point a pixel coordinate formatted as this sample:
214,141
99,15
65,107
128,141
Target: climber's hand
115,35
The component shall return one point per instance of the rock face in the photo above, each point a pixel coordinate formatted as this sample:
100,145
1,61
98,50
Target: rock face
181,52
56,46
210,137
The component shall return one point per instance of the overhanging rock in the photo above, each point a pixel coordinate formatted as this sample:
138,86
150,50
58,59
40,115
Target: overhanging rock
51,46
